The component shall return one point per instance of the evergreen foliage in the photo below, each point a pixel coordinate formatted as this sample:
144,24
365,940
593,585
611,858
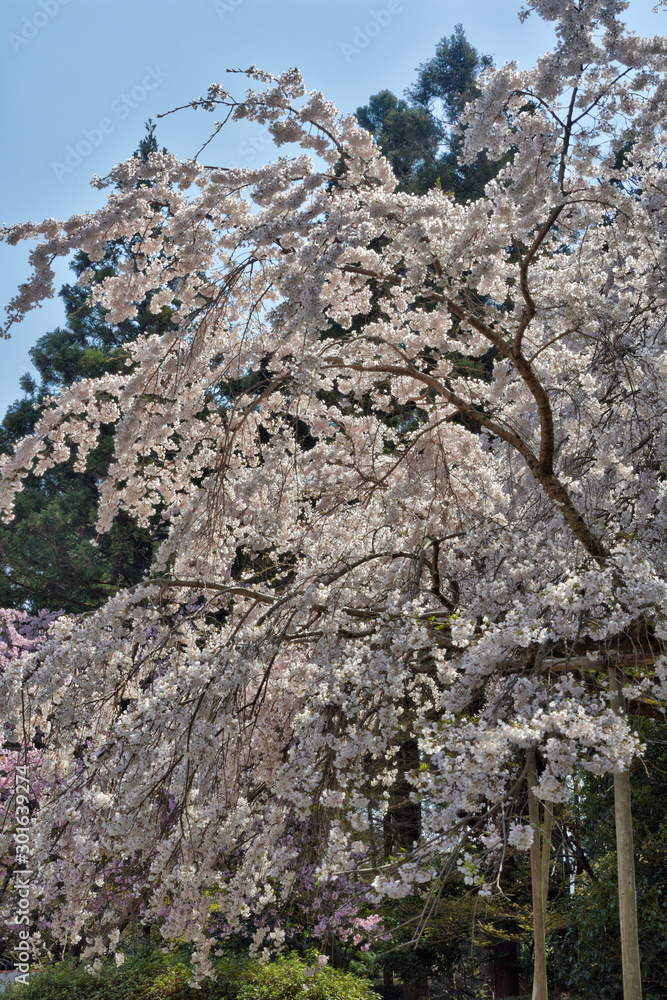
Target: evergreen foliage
420,135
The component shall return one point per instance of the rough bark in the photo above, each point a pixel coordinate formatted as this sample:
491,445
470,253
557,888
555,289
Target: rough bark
402,822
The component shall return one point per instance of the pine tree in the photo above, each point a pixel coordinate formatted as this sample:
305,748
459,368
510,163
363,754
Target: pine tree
419,135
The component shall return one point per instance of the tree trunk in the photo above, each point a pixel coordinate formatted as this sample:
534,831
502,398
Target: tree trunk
505,955
402,821
505,970
416,988
402,831
625,856
537,868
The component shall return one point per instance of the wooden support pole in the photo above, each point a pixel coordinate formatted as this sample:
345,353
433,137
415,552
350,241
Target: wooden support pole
625,855
540,987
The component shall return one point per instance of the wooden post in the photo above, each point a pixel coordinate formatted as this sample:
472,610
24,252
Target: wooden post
540,987
547,827
625,856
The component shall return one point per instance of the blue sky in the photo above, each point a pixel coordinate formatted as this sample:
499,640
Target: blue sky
89,73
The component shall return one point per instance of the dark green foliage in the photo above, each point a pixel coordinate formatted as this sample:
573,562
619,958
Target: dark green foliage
152,975
409,137
449,76
420,135
48,559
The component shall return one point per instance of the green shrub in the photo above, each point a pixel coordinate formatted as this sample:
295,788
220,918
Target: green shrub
152,975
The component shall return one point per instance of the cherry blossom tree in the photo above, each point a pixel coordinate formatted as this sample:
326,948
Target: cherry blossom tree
409,453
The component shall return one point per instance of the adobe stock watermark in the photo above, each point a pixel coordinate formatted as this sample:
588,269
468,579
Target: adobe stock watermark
32,24
252,147
364,34
223,7
22,873
121,108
